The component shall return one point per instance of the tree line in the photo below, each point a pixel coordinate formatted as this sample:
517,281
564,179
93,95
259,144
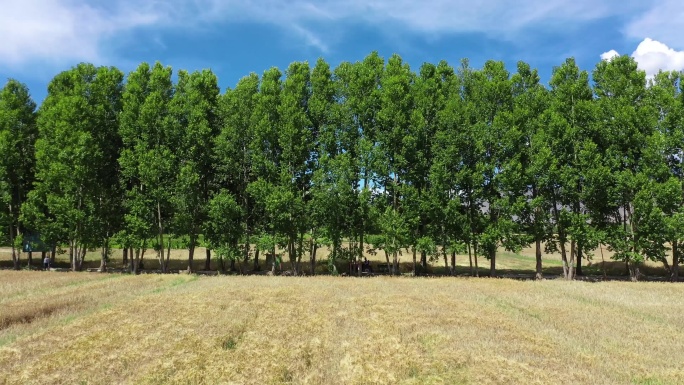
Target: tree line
366,156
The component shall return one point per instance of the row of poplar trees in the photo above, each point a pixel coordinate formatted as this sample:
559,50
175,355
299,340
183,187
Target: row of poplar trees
367,156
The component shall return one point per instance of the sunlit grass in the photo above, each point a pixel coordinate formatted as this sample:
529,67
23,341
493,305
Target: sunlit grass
259,330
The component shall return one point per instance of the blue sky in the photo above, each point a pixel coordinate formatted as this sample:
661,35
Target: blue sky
39,38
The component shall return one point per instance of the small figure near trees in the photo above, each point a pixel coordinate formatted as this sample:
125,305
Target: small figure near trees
46,263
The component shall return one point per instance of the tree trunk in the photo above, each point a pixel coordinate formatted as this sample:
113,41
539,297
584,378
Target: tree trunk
453,263
71,256
470,260
207,262
538,257
124,260
168,256
395,263
29,259
564,257
578,271
675,262
446,261
103,259
571,261
477,268
161,238
15,255
633,271
312,255
191,254
387,259
53,254
415,267
492,262
256,259
300,252
423,260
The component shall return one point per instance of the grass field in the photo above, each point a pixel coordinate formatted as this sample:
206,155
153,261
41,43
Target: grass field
73,328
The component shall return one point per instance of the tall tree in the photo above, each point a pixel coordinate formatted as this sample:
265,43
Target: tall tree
394,136
526,140
295,139
149,158
18,135
627,123
235,151
76,152
195,111
493,102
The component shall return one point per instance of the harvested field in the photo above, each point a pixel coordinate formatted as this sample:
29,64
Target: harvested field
66,328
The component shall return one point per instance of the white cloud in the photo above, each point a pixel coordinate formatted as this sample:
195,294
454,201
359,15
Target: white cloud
68,30
653,56
663,21
57,30
609,55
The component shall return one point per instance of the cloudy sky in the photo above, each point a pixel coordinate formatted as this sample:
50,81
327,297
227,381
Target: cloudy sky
39,38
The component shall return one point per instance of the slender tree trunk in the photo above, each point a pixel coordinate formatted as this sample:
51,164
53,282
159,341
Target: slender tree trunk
191,253
273,251
492,262
124,261
571,261
312,255
82,258
538,257
161,238
415,267
168,256
103,259
300,252
43,253
256,259
292,256
72,263
29,259
446,261
423,260
561,236
453,263
53,254
132,264
477,268
578,271
470,260
207,261
675,261
395,263
16,255
387,259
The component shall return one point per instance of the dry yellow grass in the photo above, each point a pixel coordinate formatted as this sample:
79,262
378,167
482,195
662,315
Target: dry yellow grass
158,329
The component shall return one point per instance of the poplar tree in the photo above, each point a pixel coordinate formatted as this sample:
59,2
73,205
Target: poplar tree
18,133
76,153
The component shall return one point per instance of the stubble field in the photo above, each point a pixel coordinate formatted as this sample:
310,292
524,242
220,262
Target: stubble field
70,328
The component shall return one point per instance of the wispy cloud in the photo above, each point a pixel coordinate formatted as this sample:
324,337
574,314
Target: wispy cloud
57,30
663,21
68,30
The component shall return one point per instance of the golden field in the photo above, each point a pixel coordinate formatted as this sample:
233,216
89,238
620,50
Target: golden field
89,328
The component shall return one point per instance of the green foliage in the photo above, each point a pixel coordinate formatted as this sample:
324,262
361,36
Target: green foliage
368,153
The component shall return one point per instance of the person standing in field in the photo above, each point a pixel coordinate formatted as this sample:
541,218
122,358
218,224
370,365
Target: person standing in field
46,263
